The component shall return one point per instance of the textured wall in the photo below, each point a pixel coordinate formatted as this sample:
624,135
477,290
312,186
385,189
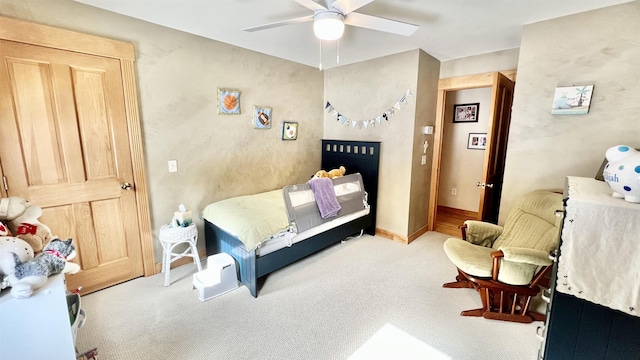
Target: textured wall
365,90
479,64
428,68
178,75
600,47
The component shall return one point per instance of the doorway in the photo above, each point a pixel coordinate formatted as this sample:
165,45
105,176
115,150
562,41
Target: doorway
489,182
462,155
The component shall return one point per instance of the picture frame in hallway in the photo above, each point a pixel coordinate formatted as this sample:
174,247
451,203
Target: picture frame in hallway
477,141
464,113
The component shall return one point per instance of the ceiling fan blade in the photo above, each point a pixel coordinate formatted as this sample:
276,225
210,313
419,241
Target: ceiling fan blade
380,24
279,23
311,5
347,6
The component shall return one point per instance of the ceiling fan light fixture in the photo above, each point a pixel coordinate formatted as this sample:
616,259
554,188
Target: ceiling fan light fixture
328,25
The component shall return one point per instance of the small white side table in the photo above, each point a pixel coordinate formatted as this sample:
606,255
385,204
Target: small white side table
170,237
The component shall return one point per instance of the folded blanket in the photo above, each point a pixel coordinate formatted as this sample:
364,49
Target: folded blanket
325,197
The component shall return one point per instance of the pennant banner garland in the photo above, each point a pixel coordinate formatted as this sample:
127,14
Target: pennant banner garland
369,122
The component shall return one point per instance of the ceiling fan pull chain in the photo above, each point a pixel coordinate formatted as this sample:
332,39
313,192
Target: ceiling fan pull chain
320,66
338,51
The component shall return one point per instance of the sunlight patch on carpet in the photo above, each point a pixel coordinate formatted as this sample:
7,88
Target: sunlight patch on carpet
392,343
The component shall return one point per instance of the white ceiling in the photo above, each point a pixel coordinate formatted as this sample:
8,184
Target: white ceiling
449,29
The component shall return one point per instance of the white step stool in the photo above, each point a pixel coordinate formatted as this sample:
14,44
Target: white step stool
220,277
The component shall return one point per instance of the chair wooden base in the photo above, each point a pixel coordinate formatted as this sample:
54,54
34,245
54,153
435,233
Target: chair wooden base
500,301
529,317
473,312
461,282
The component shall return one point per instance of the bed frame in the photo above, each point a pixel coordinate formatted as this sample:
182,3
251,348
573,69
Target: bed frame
355,156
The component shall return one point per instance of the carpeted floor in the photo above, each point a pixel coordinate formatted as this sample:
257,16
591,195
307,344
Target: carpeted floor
365,299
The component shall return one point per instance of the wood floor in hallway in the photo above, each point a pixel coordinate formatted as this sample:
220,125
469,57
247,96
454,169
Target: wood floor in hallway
449,219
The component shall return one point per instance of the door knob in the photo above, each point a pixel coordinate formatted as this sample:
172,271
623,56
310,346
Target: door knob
126,186
490,186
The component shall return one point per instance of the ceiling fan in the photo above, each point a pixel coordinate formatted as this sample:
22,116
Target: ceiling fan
329,20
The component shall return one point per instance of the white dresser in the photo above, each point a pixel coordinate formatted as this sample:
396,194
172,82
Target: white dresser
37,327
593,312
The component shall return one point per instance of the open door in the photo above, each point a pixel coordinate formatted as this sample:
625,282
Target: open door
70,143
502,85
495,154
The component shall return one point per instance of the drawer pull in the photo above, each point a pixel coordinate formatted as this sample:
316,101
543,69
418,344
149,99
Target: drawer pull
540,332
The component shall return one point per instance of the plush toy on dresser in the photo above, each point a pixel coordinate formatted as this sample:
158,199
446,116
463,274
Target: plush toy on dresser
22,220
19,269
9,248
25,277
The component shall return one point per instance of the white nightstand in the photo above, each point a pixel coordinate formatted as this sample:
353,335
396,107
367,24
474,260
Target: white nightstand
170,237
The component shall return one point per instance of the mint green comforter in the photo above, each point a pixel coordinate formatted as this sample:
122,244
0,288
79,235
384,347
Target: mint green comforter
251,218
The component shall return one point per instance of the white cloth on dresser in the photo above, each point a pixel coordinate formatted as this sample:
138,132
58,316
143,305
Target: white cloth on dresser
600,253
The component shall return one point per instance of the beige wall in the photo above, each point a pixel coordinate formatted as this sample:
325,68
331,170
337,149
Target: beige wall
421,173
178,75
600,47
365,90
460,167
479,64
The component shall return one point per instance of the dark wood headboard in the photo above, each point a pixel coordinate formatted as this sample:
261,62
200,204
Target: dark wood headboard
357,157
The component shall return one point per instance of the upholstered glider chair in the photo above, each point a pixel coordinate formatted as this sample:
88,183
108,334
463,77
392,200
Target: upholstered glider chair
507,264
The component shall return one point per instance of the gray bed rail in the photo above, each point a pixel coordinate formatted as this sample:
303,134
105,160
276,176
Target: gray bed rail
303,212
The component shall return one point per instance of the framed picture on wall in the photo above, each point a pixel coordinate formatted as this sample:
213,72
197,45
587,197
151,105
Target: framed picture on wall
289,130
228,101
261,117
571,100
465,112
477,141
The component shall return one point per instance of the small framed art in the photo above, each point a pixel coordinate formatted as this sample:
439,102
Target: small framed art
261,117
477,141
228,101
289,130
465,112
572,100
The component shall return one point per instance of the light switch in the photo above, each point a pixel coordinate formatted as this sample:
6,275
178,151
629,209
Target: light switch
173,166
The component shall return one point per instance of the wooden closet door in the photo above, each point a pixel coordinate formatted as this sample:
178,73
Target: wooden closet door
64,147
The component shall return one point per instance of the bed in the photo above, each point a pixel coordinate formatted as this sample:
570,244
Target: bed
302,233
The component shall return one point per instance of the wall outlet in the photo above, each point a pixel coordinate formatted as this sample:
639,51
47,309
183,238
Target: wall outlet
454,191
173,166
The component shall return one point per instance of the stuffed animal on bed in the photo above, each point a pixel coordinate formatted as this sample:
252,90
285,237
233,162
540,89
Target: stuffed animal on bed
30,275
331,174
21,219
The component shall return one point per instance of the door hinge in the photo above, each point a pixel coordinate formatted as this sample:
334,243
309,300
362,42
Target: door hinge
4,183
